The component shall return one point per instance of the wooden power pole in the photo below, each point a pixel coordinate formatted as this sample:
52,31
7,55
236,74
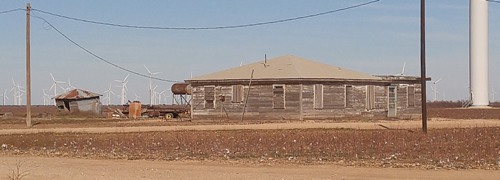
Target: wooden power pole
423,78
28,67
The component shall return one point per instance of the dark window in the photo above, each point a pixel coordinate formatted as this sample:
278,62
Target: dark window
349,97
392,101
411,96
209,97
318,96
278,97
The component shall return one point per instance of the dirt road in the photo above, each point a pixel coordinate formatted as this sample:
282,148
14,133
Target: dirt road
71,168
414,124
66,168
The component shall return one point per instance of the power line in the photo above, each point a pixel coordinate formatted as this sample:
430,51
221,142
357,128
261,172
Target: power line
98,57
208,28
494,1
8,11
171,28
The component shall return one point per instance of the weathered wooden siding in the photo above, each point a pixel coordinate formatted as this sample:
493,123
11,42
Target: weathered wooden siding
404,109
259,105
401,100
260,102
381,97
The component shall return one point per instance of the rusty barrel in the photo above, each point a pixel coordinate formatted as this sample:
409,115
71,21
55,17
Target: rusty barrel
134,109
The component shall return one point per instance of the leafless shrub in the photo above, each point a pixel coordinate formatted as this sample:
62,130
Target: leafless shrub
18,171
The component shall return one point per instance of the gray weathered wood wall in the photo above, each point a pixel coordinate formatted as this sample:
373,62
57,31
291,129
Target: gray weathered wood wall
299,102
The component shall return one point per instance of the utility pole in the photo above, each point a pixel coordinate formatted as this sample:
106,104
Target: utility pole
423,77
248,94
28,67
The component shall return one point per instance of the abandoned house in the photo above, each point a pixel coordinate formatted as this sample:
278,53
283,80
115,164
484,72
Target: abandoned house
290,87
79,101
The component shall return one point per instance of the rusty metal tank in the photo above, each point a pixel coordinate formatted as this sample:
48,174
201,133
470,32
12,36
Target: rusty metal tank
181,88
134,110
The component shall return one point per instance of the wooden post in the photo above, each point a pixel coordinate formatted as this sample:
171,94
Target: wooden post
246,98
301,117
28,67
423,78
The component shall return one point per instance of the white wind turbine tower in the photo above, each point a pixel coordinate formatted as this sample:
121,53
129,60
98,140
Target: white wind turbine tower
123,94
108,95
402,70
434,89
54,86
14,92
136,97
154,94
4,96
478,53
46,98
160,95
17,92
151,93
20,93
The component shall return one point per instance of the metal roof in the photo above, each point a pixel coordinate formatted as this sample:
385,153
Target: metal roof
286,67
77,94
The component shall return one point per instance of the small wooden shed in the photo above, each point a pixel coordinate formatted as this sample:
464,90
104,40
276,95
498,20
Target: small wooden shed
79,101
290,87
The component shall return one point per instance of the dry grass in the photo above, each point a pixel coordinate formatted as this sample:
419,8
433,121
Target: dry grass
441,148
17,171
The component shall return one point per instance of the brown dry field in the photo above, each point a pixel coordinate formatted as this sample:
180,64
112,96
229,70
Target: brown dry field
460,144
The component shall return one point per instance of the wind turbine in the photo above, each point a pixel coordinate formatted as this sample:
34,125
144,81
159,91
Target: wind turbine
434,89
46,97
14,92
54,86
17,92
136,97
402,70
151,98
154,94
70,87
123,85
20,93
108,95
159,96
4,96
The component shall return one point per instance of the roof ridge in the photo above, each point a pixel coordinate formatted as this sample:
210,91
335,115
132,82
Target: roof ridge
286,66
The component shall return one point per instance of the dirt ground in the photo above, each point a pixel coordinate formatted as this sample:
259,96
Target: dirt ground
152,125
55,163
69,168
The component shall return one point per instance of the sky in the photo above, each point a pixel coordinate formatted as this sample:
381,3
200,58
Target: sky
377,39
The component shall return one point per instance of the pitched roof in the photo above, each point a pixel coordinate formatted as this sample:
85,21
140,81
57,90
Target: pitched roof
77,94
286,67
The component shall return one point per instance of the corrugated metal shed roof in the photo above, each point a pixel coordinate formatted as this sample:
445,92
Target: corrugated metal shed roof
286,67
77,94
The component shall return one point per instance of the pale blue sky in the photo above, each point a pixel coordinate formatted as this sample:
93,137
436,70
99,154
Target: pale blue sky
375,39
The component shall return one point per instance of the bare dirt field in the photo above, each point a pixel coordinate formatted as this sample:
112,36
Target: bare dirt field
71,168
97,148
